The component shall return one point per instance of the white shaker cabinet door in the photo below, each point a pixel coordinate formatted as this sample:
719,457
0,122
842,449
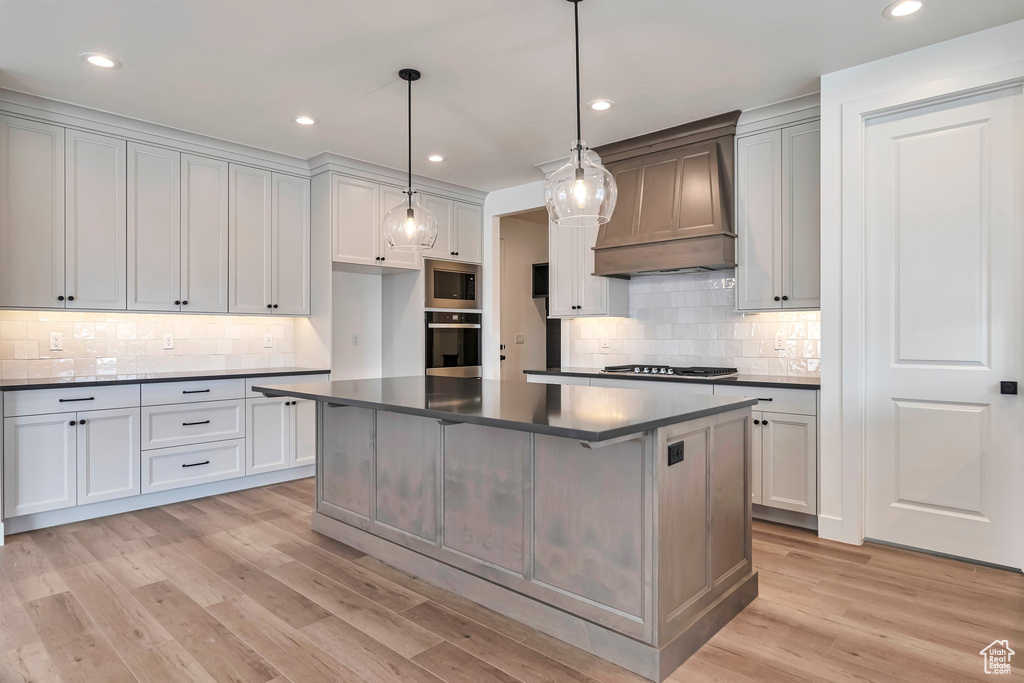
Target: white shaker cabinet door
390,197
31,214
468,232
562,258
250,236
291,245
39,463
268,435
759,221
204,235
801,216
303,433
109,455
154,228
789,462
592,297
95,221
756,457
444,213
355,220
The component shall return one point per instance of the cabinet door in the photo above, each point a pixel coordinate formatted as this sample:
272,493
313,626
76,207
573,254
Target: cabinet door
95,221
31,214
444,212
303,433
468,233
801,216
789,462
154,228
757,434
291,245
391,197
267,435
759,221
562,265
39,463
250,235
592,295
109,455
204,235
355,220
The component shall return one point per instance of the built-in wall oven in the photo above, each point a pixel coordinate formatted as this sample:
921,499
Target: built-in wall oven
453,343
451,285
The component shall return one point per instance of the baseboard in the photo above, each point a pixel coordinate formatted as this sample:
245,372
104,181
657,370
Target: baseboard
788,517
42,520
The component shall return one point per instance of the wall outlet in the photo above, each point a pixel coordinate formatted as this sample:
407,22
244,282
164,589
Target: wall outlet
168,341
780,341
268,340
355,340
605,344
56,341
520,339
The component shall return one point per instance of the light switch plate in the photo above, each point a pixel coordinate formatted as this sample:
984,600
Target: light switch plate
520,339
56,341
604,341
355,340
780,341
168,341
268,340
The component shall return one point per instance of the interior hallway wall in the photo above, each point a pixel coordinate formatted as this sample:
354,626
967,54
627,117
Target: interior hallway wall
525,243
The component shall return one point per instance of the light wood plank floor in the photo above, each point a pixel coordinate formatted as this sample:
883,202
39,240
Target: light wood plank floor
237,588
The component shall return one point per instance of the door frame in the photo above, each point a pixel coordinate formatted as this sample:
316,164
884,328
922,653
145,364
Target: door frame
843,456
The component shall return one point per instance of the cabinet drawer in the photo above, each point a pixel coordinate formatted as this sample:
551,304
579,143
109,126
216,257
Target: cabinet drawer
192,392
559,379
174,468
281,379
177,425
795,401
43,401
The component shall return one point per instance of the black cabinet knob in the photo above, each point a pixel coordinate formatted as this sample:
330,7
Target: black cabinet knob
60,298
776,298
81,422
184,303
785,298
764,422
383,258
72,423
757,422
275,305
451,253
502,357
456,253
177,303
71,298
269,306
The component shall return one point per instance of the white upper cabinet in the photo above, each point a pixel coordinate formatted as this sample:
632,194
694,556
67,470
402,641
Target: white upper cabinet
204,235
95,221
444,211
250,239
355,210
290,272
778,219
573,289
31,214
390,197
467,234
154,228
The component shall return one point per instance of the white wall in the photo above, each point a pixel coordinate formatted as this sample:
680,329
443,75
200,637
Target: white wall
526,243
357,308
402,325
976,60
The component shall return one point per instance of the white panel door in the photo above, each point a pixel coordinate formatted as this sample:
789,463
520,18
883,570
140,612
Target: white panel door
303,433
756,457
468,233
759,221
250,236
562,266
444,212
592,295
268,435
109,455
39,463
789,462
31,214
204,235
291,245
801,216
355,221
943,315
154,228
390,197
95,221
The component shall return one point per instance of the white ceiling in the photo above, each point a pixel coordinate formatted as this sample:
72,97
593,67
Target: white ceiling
497,92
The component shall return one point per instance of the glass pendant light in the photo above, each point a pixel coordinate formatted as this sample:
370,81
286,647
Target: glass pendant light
582,193
409,226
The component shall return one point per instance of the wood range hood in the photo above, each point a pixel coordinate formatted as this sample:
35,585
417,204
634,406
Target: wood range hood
674,208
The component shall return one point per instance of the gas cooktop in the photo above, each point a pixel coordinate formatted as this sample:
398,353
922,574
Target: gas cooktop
665,371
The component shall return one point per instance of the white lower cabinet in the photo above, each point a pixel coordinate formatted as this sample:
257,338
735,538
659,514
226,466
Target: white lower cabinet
40,462
182,424
303,437
108,455
281,433
756,457
789,462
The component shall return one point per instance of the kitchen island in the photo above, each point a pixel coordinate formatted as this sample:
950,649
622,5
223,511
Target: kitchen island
614,519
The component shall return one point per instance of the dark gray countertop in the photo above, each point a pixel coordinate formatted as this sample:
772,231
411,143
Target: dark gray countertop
811,383
150,378
586,413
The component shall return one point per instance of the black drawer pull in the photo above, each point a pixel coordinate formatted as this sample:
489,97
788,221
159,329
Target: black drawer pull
192,424
766,399
196,391
75,400
197,464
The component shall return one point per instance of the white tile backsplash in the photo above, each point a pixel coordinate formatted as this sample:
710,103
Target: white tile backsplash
129,343
692,320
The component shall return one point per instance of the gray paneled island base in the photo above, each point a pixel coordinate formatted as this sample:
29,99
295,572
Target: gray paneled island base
614,519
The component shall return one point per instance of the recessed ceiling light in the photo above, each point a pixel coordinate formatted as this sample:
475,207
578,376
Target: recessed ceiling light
436,158
96,59
901,8
305,120
601,105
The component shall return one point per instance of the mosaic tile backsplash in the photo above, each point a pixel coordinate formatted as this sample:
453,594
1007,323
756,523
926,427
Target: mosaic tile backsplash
130,343
692,320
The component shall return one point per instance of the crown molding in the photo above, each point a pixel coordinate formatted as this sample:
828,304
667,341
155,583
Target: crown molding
335,163
779,114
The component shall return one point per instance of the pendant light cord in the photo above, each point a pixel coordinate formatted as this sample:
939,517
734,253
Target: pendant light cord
579,126
410,144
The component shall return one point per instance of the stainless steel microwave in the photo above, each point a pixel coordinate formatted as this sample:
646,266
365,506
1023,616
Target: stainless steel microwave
451,285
